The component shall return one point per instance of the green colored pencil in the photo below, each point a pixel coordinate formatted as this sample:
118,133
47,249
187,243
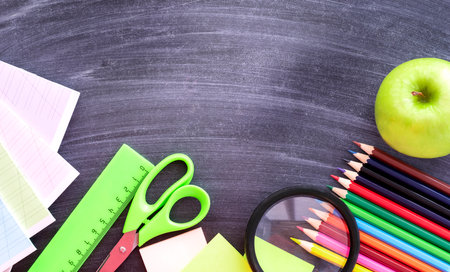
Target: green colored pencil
392,218
396,231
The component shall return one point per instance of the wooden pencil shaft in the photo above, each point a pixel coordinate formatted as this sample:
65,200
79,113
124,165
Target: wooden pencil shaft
393,174
403,201
365,249
409,170
400,211
393,252
402,245
405,191
398,220
398,232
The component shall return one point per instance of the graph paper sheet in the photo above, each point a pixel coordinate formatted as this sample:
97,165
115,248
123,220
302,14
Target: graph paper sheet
20,199
46,106
45,170
15,244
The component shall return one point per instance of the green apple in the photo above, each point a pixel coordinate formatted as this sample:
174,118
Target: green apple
412,109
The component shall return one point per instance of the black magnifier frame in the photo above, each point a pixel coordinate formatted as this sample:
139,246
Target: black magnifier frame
320,193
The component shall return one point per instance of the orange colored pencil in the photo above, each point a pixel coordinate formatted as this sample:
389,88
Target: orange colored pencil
330,218
381,246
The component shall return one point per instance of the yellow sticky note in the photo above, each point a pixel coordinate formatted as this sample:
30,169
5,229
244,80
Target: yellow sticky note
218,256
272,258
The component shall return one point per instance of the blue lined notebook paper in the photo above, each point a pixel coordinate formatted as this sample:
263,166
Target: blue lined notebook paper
14,244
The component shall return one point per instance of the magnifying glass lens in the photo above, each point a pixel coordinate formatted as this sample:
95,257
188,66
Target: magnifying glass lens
301,233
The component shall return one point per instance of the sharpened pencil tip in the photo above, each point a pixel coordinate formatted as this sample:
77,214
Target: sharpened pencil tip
335,177
330,187
357,143
296,240
300,228
347,161
342,170
351,151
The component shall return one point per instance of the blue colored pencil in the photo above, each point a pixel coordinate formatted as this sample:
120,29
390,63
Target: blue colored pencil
391,173
402,245
396,197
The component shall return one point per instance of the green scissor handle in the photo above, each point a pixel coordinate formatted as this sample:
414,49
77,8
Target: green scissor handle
161,222
140,210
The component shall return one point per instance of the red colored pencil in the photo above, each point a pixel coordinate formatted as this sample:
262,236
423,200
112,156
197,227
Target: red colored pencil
382,247
364,249
394,208
404,167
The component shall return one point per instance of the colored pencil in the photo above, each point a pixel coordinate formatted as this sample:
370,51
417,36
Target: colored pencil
329,218
404,167
413,206
327,206
398,176
398,232
394,208
327,255
392,218
404,246
375,243
343,250
400,189
364,249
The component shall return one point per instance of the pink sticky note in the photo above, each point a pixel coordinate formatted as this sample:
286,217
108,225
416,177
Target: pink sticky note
46,106
175,253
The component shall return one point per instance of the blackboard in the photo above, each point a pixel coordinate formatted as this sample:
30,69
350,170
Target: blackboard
260,94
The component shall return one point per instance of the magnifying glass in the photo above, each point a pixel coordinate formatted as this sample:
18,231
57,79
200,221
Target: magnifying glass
302,228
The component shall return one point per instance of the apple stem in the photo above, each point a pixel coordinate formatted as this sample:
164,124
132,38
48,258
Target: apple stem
417,93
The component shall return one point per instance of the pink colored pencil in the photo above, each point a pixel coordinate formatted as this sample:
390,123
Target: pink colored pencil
343,250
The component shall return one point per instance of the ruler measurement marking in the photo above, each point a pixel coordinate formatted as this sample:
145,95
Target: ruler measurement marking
113,212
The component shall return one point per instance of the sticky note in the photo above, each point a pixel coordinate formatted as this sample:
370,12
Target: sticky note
218,256
46,106
20,199
273,259
173,254
14,243
44,169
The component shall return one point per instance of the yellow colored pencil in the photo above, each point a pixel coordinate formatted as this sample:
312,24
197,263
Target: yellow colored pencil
327,255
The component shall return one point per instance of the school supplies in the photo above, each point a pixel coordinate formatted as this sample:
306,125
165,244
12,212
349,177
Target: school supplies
138,229
44,105
44,169
394,208
405,202
173,254
404,179
15,245
326,254
95,214
382,247
397,187
218,256
342,249
20,199
404,167
392,218
398,232
274,259
364,249
404,246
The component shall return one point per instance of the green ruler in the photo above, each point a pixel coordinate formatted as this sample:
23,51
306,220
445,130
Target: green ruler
94,215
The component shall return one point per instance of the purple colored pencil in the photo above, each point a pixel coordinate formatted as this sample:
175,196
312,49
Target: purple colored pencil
396,198
393,174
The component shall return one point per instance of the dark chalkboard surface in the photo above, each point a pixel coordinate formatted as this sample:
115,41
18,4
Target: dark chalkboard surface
260,94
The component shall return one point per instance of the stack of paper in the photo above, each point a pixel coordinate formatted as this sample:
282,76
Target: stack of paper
34,115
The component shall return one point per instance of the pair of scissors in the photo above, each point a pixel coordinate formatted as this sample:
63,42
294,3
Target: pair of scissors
138,229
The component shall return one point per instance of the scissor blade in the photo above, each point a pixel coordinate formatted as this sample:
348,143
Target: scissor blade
120,252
